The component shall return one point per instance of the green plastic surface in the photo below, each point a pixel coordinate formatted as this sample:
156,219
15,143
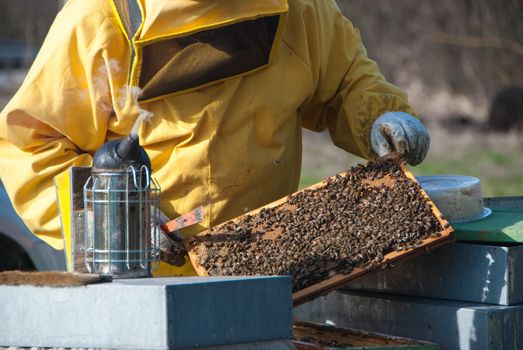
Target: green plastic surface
395,347
503,225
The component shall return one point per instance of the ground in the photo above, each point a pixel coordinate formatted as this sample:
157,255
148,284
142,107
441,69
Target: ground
492,157
473,149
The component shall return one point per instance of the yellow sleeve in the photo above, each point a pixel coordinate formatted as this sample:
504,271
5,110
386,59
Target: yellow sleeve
349,90
59,116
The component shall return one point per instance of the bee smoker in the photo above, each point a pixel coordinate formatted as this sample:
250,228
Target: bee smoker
120,208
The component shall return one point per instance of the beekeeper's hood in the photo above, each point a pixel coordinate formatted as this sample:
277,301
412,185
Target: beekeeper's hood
179,45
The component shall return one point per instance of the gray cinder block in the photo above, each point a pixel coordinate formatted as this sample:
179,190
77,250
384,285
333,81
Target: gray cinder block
160,313
450,324
458,271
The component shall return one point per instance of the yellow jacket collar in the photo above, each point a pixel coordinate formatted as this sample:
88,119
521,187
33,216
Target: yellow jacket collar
170,18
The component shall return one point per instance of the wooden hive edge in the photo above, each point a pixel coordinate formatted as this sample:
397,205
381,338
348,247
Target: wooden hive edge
189,243
321,288
337,281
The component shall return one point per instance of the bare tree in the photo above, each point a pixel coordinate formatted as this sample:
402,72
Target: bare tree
472,47
24,25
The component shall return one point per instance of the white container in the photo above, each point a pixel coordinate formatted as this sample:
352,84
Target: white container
458,197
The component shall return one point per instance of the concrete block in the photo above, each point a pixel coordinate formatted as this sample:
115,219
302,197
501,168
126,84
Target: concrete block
459,271
450,324
160,313
266,345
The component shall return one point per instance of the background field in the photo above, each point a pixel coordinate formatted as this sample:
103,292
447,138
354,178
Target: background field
494,158
451,56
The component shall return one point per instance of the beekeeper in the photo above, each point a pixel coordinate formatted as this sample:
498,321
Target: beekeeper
230,84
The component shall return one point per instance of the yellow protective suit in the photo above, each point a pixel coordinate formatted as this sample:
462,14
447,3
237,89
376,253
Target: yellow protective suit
230,142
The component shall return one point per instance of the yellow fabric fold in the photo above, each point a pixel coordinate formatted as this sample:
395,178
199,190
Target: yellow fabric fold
176,17
230,146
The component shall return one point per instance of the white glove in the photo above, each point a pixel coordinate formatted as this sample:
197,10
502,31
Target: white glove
402,133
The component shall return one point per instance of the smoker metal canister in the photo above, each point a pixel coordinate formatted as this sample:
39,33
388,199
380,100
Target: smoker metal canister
121,199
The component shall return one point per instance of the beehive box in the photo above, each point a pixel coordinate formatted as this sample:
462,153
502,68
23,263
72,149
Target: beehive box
493,275
315,336
149,313
450,324
329,233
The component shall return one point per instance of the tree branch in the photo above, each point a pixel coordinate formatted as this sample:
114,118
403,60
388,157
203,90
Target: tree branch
478,42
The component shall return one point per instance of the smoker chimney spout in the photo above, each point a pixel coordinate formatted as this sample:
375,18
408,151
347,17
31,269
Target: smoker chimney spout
120,154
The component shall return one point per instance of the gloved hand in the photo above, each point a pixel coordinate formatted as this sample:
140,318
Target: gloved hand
400,132
172,250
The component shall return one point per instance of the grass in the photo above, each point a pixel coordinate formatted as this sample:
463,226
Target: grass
307,180
496,162
501,173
